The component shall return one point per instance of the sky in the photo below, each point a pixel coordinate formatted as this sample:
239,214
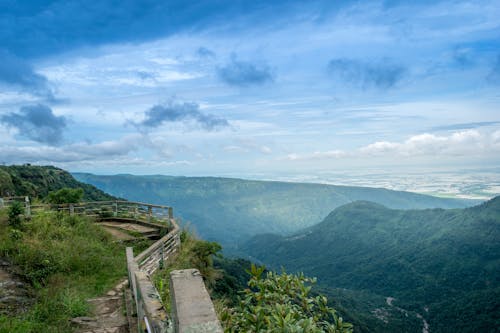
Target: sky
231,87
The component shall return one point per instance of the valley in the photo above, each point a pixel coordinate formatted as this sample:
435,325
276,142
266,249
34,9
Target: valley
230,210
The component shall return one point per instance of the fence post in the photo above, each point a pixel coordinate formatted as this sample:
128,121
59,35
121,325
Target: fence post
1,203
170,213
27,210
150,213
71,209
115,207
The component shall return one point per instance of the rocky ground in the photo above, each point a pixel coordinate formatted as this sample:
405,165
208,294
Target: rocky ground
15,295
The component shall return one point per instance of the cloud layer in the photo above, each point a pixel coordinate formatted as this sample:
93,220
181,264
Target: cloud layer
38,123
185,112
53,26
461,144
18,73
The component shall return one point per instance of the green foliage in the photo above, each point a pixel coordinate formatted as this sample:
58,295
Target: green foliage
65,195
66,259
203,252
14,212
282,303
234,277
425,259
39,181
194,253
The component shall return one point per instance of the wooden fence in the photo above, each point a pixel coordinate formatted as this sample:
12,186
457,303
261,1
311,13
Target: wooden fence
152,317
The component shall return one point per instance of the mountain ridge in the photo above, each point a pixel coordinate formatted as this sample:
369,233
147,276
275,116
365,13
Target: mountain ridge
231,210
37,181
431,258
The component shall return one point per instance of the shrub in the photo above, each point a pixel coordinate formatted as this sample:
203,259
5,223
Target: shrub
282,303
15,211
65,195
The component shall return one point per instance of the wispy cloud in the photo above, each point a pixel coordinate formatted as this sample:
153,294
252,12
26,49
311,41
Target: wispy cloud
203,52
244,73
463,57
465,126
20,74
185,112
38,123
494,75
382,74
318,155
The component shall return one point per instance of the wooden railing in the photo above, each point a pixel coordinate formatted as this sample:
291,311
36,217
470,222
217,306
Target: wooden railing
151,315
136,210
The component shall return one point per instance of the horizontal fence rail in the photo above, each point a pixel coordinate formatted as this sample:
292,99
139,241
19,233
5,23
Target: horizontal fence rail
151,314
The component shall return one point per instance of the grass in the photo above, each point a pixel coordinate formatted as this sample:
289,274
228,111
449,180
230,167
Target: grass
187,257
66,259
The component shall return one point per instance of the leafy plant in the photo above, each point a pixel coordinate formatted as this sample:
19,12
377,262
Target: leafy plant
282,303
65,195
15,211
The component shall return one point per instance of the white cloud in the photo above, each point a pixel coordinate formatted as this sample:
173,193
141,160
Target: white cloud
457,144
106,150
462,143
318,155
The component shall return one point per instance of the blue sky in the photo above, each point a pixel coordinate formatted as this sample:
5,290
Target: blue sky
250,87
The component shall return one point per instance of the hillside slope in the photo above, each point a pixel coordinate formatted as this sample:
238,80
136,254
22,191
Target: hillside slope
232,210
445,261
38,181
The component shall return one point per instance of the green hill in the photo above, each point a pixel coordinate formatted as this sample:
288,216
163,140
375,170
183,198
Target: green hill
38,181
442,264
232,210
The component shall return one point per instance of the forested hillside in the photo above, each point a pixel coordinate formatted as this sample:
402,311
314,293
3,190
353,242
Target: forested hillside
442,264
39,181
232,210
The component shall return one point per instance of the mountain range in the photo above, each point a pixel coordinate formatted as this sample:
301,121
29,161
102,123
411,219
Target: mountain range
389,261
231,211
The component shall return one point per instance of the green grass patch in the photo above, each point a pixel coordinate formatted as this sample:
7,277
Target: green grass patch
66,259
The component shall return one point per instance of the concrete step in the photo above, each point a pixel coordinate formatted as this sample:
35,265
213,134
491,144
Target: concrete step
108,313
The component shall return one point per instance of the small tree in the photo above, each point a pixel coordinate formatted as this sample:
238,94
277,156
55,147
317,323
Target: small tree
65,195
15,211
203,252
282,303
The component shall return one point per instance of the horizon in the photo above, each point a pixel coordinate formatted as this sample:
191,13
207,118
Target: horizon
482,185
327,92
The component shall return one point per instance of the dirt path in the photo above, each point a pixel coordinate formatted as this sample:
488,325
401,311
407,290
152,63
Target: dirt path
118,234
108,314
15,297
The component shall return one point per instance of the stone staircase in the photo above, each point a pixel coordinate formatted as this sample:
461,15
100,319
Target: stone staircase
109,313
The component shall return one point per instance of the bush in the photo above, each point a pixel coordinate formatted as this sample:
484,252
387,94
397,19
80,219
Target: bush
65,195
15,211
282,303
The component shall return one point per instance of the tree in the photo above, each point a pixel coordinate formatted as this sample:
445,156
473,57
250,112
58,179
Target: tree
203,252
65,195
282,303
